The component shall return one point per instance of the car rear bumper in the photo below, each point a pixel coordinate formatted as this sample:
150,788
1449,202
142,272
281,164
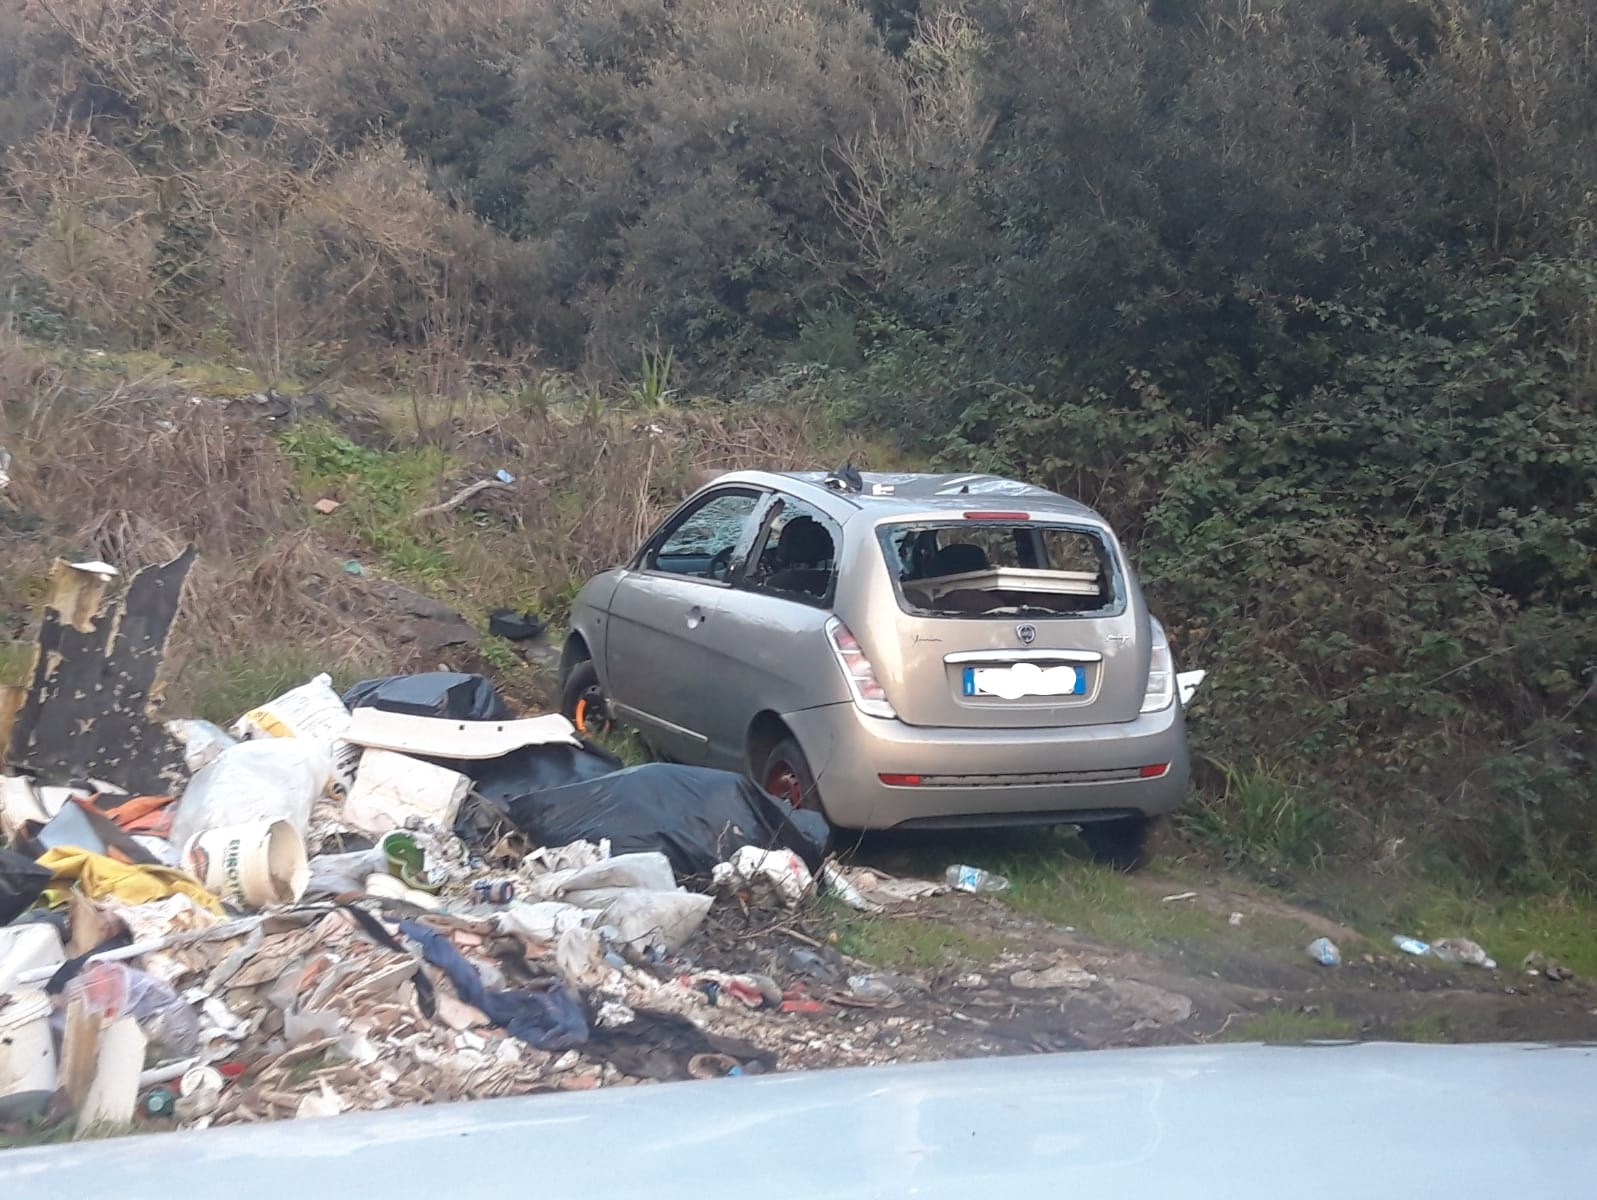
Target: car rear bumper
990,776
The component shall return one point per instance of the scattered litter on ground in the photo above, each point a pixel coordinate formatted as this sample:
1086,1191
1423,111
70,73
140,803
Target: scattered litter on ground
873,891
1410,945
411,894
1179,896
973,879
1234,920
1325,952
327,506
514,626
1462,950
1537,963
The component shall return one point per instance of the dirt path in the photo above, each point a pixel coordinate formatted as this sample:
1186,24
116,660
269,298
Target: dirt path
1045,987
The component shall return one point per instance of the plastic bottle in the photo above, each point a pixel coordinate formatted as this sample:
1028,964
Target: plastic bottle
974,879
1323,951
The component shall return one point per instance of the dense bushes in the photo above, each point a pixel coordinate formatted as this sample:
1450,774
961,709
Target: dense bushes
1301,295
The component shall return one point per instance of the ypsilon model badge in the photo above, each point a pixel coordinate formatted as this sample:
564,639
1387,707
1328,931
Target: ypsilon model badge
1026,633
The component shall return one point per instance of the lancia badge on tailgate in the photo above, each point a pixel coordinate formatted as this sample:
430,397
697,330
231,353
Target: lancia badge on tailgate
1026,633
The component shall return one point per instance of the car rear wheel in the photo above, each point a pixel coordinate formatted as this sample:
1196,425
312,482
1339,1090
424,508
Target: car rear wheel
583,702
1121,844
787,774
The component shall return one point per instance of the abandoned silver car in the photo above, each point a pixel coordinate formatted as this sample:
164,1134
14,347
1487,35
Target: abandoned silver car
895,650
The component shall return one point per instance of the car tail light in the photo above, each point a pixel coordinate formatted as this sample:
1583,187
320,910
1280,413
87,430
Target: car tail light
1161,691
1154,770
900,780
857,669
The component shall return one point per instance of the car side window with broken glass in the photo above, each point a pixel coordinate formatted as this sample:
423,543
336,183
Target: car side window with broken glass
988,568
704,541
795,554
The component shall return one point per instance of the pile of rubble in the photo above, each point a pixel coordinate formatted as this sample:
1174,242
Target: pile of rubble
403,894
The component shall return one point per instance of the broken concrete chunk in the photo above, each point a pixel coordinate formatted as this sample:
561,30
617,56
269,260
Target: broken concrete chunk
87,708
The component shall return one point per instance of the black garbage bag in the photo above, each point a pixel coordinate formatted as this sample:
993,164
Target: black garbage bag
448,694
696,816
21,882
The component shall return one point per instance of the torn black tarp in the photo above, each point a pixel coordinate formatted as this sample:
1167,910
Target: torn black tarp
696,816
21,882
87,709
448,694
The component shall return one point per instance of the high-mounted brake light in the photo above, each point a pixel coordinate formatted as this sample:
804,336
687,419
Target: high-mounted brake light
868,693
996,516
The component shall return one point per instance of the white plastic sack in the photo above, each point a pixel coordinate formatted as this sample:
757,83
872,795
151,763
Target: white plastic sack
278,779
203,741
312,711
649,870
664,919
772,875
545,920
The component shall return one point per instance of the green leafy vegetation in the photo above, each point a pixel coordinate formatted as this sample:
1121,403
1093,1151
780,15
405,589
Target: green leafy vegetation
1301,297
1260,819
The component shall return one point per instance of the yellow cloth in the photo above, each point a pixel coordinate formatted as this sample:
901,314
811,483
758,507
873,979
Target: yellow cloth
98,877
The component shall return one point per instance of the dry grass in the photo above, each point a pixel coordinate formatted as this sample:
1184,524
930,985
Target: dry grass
132,470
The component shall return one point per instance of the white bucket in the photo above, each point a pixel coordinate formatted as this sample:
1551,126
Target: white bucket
256,864
27,1051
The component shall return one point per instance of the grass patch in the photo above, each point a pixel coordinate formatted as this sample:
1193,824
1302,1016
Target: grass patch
23,1135
626,745
1561,926
15,659
1261,820
378,491
912,943
1424,1027
223,689
1103,903
1284,1025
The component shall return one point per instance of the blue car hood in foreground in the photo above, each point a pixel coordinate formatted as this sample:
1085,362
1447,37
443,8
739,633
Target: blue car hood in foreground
1223,1121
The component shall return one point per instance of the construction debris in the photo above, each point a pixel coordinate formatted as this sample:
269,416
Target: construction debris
355,910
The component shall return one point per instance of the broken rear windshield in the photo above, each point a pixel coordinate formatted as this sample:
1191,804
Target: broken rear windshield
990,568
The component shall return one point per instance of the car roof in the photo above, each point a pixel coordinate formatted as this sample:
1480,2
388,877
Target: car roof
916,494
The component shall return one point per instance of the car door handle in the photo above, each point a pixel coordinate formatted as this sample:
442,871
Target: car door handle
696,617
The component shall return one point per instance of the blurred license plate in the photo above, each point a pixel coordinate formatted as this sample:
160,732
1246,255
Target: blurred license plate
1026,679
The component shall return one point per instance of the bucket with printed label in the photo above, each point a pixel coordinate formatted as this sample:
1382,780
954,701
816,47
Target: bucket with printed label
253,865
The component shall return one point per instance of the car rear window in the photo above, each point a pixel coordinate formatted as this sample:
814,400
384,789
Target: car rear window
995,568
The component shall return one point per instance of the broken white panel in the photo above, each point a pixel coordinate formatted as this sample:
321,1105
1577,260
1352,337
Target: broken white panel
115,1089
438,737
19,804
391,788
1187,684
95,567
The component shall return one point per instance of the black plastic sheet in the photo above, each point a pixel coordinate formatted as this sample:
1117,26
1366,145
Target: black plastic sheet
448,694
21,882
696,816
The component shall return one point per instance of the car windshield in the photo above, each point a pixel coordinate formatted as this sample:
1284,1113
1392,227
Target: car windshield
982,568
